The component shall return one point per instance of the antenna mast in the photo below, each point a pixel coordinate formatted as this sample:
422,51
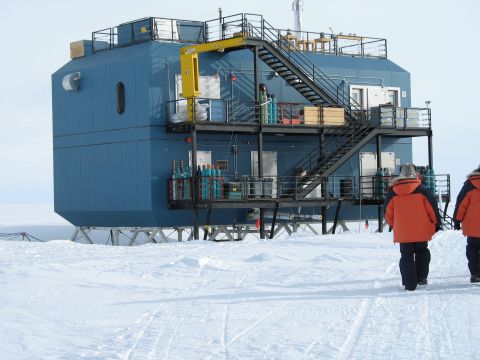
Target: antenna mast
297,7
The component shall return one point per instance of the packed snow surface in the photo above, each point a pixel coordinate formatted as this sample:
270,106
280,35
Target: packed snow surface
303,297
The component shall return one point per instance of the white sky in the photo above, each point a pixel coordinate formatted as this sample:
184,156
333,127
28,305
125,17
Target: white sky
435,40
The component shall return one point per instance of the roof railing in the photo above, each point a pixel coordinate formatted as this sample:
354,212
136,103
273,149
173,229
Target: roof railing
189,31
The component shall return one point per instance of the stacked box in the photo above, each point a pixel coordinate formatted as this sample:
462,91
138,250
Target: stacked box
311,115
233,190
80,49
333,116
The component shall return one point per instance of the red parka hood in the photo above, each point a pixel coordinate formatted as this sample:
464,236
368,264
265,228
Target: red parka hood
474,178
406,186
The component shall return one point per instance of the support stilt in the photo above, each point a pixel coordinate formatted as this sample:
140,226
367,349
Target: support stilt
379,166
335,220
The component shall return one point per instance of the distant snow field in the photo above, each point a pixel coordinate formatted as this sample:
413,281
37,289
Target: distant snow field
303,297
11,215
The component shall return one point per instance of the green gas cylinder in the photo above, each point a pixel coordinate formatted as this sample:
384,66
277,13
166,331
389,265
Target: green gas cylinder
379,187
263,103
430,180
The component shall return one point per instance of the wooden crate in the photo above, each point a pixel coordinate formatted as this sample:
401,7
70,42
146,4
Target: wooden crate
333,116
311,115
77,49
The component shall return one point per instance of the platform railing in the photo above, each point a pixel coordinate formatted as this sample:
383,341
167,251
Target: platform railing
305,41
251,188
375,187
213,111
389,116
147,29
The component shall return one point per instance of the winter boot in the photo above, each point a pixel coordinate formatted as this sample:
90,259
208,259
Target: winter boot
422,282
475,279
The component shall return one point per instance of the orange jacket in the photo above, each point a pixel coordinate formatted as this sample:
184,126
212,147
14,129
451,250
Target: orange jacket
412,211
467,209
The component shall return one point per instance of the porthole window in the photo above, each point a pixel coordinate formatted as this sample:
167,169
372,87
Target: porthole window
120,98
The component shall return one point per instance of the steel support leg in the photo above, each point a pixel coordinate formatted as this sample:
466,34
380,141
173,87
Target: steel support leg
379,166
335,220
430,151
194,184
274,220
324,220
207,223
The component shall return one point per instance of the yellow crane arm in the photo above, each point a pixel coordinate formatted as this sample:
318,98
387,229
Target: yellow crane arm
189,62
189,66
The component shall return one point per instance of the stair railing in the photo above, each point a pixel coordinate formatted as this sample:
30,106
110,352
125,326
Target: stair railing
274,37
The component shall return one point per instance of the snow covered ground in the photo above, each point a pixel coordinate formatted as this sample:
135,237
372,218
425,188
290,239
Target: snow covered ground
303,297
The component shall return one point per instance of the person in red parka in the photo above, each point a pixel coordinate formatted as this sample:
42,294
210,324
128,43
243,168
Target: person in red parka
467,212
412,211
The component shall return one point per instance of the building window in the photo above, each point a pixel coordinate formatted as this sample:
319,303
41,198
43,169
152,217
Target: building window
120,98
357,96
392,97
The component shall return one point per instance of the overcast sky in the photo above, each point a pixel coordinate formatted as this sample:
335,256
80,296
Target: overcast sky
435,40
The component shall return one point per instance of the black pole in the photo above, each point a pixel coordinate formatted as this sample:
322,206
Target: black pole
274,220
207,223
324,208
380,196
259,135
324,220
337,213
430,150
379,151
194,184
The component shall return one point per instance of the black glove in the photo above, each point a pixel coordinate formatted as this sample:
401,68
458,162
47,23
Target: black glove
456,225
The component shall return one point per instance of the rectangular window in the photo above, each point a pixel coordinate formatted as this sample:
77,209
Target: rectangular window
392,97
357,96
222,164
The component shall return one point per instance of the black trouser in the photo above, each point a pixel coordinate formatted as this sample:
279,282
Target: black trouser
473,249
414,263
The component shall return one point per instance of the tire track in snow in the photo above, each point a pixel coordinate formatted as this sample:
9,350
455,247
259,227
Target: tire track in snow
224,338
256,323
357,326
440,310
143,334
200,274
428,328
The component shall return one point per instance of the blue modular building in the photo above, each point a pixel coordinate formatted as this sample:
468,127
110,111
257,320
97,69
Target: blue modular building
126,139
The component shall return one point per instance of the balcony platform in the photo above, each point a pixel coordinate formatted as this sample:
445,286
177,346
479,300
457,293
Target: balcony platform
268,203
276,129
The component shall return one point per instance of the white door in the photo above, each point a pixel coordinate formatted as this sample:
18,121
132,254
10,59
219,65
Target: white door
269,167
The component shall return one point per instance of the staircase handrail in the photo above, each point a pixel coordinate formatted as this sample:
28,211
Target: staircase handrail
273,36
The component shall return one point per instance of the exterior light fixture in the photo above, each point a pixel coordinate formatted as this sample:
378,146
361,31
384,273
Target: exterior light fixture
71,82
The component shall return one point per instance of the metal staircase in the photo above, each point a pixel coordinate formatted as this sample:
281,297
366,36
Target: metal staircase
302,74
297,70
311,82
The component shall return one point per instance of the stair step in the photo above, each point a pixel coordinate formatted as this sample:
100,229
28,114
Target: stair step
278,66
271,62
